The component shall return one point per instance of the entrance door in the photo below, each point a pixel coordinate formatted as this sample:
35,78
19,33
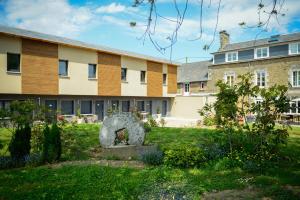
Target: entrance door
99,109
164,108
186,89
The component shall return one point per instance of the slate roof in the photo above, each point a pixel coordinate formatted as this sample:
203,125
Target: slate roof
62,40
261,42
193,72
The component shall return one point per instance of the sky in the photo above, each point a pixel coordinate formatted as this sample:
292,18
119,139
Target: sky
107,23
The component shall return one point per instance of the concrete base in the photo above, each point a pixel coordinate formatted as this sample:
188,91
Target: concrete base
126,152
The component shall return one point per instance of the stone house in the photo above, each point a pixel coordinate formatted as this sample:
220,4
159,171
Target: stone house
274,60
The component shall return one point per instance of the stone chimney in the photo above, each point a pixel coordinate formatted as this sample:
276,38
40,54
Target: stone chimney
224,39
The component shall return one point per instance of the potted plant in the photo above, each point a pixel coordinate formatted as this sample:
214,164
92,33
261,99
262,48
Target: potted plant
79,116
158,114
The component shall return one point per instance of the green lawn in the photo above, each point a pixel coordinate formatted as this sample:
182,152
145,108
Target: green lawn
95,182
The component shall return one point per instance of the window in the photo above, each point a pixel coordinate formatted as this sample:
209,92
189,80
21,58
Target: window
296,78
86,107
140,106
63,68
294,106
123,74
143,76
125,106
67,107
231,56
5,104
164,108
115,105
92,70
164,79
186,88
294,48
262,52
13,62
261,78
229,79
202,85
149,107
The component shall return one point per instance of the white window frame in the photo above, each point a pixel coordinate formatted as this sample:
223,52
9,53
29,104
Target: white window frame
298,78
260,72
232,52
229,74
186,93
298,49
261,48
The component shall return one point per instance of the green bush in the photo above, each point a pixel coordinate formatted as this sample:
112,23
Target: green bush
52,144
19,146
152,122
209,120
147,127
153,157
184,157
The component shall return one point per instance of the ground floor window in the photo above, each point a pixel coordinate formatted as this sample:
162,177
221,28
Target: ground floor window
186,88
229,79
140,106
115,105
86,107
5,104
164,108
125,106
149,107
67,107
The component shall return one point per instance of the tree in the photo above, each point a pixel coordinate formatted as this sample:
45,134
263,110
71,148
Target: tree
274,11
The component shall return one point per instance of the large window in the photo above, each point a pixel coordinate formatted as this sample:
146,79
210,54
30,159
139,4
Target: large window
231,56
143,76
67,107
125,106
164,79
63,68
261,78
294,107
229,79
262,52
186,88
123,74
149,107
13,62
164,108
92,70
296,78
294,48
86,107
115,105
140,106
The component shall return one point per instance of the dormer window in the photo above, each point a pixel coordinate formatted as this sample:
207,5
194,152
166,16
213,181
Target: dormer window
294,48
262,52
231,56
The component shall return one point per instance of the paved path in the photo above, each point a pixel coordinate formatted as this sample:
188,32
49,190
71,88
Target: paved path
110,163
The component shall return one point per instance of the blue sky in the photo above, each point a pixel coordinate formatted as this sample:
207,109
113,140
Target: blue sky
106,23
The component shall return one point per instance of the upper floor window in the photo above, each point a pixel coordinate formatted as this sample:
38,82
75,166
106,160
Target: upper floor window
63,68
92,70
262,52
296,78
261,78
143,76
229,79
231,56
13,62
164,79
123,74
294,48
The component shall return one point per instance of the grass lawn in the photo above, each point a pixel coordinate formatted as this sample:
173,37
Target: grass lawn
96,182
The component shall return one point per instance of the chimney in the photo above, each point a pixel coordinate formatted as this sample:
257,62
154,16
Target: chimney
224,39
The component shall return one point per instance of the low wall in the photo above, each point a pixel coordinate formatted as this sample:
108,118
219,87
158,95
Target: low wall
187,107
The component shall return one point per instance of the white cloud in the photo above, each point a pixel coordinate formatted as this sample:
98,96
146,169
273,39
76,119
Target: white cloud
111,8
56,17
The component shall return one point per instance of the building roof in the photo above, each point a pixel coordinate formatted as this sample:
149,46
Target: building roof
66,41
275,39
193,72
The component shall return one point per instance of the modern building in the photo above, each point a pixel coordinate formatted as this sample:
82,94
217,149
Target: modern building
274,60
74,77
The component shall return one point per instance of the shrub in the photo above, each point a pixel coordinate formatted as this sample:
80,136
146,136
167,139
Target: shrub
184,157
162,122
209,120
152,122
52,144
19,145
37,136
147,127
7,162
153,157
